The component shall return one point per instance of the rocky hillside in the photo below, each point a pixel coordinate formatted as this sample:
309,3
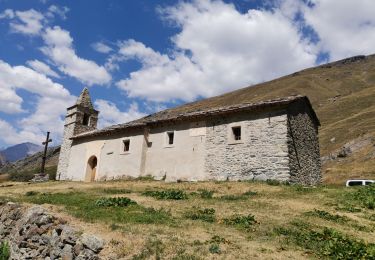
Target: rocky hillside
32,162
19,151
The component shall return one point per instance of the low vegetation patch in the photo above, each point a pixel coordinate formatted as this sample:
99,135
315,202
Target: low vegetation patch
171,194
245,222
31,193
327,243
115,202
4,250
207,214
233,197
328,216
84,205
206,194
363,196
117,191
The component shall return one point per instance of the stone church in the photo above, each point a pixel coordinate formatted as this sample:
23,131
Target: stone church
273,139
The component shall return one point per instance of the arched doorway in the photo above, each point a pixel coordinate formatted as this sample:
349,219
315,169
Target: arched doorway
91,168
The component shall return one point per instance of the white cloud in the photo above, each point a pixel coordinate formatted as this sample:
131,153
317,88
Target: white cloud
41,67
60,50
101,47
12,136
218,49
8,13
52,100
28,22
57,10
345,27
110,114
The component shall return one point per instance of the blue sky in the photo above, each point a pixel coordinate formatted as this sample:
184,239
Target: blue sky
138,57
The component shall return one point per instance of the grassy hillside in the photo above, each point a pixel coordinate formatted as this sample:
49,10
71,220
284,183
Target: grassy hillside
213,220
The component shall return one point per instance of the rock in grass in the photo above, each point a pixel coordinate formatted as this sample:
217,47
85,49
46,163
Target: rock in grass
92,242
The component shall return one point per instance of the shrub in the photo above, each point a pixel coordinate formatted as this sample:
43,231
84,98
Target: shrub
22,176
206,194
273,182
166,194
240,221
114,202
4,250
207,214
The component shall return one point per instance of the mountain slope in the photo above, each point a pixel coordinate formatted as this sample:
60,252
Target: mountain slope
20,151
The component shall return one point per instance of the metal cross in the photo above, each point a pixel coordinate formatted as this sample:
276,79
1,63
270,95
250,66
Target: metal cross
48,140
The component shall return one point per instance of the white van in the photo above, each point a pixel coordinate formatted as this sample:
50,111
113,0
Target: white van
350,183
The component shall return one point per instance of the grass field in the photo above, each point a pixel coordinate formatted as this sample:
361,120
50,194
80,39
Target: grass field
144,219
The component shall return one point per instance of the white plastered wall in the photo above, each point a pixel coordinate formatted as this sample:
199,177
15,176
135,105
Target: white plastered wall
184,160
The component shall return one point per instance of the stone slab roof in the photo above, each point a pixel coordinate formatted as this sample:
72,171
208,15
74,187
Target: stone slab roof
194,111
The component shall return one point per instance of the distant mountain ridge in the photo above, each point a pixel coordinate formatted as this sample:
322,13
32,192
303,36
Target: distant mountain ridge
19,151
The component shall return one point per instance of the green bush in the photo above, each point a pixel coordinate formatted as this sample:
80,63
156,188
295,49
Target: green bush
22,176
207,214
4,250
328,243
240,221
114,202
166,194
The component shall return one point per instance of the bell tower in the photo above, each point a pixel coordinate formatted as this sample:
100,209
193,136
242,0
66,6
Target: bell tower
80,118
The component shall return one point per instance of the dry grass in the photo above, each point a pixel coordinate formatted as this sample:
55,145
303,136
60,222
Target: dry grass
182,238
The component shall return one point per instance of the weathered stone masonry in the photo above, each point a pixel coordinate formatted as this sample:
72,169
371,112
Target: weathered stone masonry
261,154
303,145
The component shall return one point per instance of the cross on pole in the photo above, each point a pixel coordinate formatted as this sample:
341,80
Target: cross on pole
48,140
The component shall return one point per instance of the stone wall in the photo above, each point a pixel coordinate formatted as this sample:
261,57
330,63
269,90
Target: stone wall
261,154
303,145
33,233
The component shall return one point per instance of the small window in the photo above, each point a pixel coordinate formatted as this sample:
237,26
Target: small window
170,138
236,131
355,183
369,183
126,145
86,119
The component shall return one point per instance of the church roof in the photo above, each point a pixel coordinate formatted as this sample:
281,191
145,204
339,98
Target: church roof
195,110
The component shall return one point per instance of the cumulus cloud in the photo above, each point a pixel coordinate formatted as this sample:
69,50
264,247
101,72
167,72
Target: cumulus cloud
8,13
52,100
60,50
101,47
27,22
110,114
41,67
218,49
57,10
345,27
